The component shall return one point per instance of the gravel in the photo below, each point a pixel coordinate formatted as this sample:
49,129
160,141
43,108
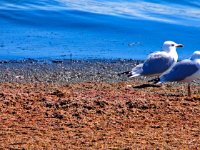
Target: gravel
65,71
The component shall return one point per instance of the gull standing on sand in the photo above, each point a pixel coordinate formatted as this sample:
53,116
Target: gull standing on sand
157,62
184,71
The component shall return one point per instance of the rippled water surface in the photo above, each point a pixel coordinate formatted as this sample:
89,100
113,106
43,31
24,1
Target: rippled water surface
96,28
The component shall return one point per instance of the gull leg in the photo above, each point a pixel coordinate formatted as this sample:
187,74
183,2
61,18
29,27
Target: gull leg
189,90
183,89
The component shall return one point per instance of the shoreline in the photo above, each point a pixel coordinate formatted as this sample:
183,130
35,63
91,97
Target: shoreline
65,70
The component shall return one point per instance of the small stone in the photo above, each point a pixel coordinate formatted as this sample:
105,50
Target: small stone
155,126
128,86
57,115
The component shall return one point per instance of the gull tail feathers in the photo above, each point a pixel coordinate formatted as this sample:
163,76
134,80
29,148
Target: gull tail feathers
136,71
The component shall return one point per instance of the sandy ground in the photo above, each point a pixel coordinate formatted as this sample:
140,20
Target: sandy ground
89,114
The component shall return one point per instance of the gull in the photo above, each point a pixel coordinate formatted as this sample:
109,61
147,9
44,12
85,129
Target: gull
157,62
184,71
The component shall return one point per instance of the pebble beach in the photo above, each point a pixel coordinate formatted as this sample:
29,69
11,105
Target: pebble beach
81,104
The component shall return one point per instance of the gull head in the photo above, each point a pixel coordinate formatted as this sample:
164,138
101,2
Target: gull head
169,46
195,55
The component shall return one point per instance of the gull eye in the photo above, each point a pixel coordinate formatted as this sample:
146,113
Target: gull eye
172,45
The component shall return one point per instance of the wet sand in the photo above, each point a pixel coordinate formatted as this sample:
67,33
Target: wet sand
75,104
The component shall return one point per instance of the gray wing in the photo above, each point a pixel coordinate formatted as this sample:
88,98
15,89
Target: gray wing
157,64
180,71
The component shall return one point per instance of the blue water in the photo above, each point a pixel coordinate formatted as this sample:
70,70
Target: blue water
85,29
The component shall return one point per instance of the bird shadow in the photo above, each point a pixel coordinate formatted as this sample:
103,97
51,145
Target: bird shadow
146,86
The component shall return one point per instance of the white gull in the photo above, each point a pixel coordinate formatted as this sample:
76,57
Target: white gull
158,62
184,71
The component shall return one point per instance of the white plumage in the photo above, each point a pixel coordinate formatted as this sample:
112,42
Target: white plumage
158,62
184,71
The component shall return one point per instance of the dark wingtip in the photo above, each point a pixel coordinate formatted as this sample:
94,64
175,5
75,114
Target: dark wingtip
155,80
128,73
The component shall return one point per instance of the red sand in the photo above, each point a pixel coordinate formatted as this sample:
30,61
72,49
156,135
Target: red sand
98,116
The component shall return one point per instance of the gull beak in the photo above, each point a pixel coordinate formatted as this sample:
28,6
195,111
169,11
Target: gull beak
179,45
